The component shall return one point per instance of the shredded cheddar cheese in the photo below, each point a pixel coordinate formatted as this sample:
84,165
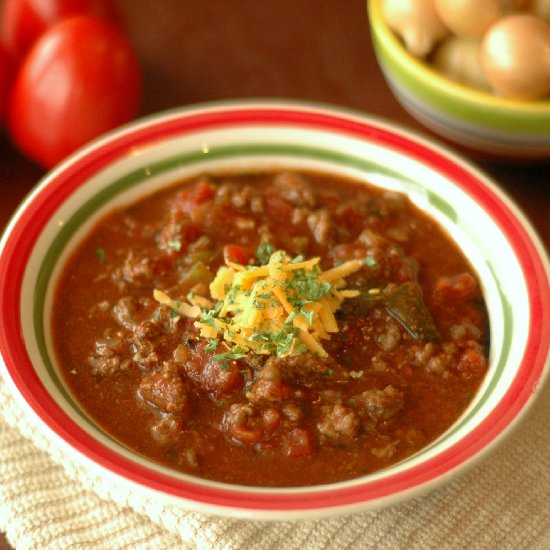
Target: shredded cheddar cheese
282,308
182,308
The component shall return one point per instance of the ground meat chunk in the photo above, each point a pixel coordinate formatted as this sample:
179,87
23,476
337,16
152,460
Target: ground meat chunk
472,361
146,337
373,242
129,311
123,312
338,421
218,378
295,188
386,451
166,390
423,354
292,412
442,360
103,366
319,223
298,443
440,363
381,404
107,359
137,271
268,386
166,429
449,290
302,368
465,330
389,338
242,424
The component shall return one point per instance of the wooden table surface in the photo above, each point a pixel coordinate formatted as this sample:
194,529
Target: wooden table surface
196,51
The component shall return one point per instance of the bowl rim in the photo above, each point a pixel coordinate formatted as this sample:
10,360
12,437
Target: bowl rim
454,90
243,502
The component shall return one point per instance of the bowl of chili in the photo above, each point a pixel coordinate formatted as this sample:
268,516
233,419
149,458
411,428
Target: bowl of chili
272,310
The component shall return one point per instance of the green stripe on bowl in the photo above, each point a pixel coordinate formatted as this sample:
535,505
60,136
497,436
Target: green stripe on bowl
138,176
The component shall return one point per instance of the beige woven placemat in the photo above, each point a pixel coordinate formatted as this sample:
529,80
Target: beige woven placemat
47,501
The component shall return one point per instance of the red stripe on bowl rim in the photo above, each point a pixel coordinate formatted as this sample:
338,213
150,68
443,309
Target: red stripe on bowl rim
58,186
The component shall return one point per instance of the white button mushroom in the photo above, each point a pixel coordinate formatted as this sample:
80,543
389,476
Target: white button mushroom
471,18
458,59
416,22
515,57
540,8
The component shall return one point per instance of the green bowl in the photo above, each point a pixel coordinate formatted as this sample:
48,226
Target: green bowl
471,118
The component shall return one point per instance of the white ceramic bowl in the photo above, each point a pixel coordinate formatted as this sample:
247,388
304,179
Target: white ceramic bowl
475,119
248,135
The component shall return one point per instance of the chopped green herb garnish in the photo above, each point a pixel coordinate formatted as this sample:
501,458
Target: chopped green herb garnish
208,318
174,244
235,353
308,316
264,251
100,253
212,345
306,288
259,304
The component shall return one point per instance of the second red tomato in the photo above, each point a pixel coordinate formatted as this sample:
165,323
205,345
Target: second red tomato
24,21
81,79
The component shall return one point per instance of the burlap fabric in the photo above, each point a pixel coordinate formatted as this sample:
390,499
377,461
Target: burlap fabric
47,501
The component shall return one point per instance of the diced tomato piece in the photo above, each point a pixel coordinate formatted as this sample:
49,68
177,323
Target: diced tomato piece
162,266
189,199
277,207
349,217
456,288
237,254
204,191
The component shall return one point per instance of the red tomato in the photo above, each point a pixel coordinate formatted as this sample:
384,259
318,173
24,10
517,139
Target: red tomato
81,79
189,200
23,21
6,77
237,254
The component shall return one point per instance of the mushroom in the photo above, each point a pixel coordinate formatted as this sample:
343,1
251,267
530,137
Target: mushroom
515,57
471,18
458,59
416,22
540,8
